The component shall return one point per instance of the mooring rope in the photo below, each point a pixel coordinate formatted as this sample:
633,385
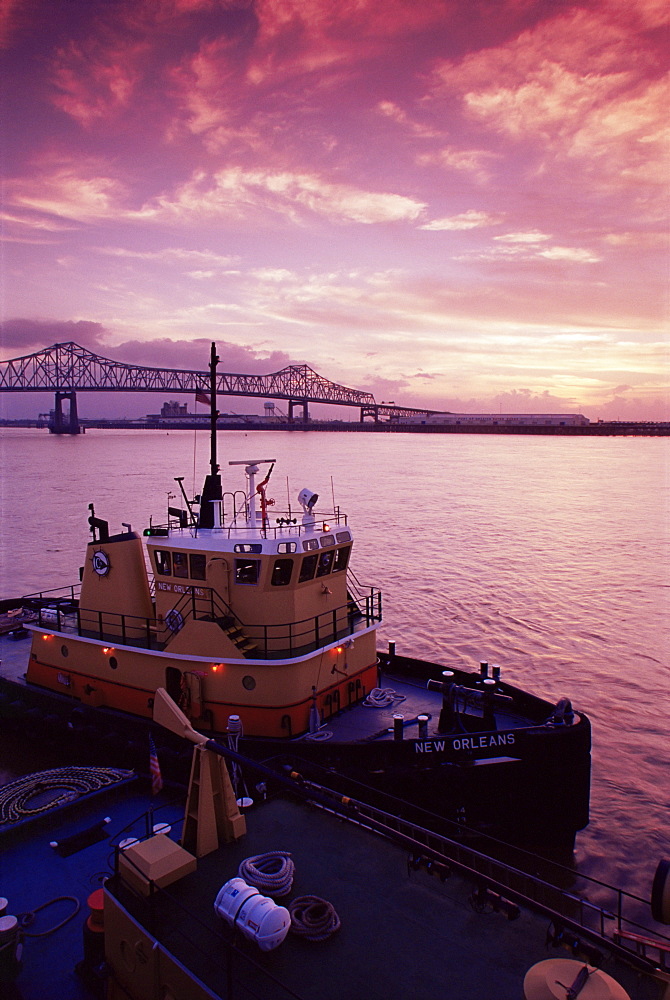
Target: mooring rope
382,698
28,918
272,872
15,797
313,918
319,736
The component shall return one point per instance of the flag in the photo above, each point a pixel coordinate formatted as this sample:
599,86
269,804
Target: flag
154,768
202,397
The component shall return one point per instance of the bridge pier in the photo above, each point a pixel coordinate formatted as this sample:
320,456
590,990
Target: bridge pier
298,402
60,425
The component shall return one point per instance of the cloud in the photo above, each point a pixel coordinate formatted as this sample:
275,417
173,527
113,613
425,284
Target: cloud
299,37
75,190
293,195
193,355
388,109
472,219
575,254
97,79
530,237
476,163
585,85
517,248
169,255
30,335
12,17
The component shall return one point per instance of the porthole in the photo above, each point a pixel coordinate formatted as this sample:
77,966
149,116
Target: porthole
248,682
113,662
64,650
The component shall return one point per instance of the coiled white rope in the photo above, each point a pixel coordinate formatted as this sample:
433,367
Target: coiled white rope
319,736
313,918
273,872
69,782
382,698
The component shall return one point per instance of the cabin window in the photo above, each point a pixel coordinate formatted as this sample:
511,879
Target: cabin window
163,563
341,558
308,568
180,565
248,547
327,540
287,546
247,570
343,536
325,563
281,572
310,543
198,564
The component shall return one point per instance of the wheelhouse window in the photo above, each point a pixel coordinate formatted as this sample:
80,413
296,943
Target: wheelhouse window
180,565
281,572
247,570
248,547
163,563
308,568
341,558
198,566
287,547
325,563
310,543
327,540
343,536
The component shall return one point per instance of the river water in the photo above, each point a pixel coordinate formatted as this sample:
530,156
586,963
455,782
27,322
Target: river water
547,555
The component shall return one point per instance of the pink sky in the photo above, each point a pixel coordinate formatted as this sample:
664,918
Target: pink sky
454,205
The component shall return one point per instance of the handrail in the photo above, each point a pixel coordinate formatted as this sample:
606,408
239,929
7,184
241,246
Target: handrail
607,927
271,641
290,525
607,924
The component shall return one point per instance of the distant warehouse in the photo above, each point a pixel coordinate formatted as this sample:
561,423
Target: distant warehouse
500,419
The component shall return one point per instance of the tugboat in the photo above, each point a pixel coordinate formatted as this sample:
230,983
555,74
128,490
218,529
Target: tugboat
126,888
254,622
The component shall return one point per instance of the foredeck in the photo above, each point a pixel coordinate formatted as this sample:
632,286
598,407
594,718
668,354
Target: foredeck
407,929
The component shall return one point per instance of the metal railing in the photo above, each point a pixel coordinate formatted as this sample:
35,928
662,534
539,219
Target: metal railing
612,922
60,611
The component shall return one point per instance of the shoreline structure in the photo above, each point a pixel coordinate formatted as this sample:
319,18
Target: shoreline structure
612,428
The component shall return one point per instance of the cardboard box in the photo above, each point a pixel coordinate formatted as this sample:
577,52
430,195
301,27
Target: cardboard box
158,860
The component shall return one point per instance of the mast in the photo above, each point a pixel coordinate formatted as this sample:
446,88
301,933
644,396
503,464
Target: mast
213,412
211,492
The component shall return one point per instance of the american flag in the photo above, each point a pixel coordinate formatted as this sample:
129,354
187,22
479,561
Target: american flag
202,397
154,768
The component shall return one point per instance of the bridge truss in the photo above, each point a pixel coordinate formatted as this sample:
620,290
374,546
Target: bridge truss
66,369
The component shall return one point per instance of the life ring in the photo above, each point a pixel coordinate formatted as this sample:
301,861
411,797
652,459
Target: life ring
174,620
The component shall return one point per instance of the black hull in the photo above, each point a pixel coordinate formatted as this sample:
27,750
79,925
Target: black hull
538,801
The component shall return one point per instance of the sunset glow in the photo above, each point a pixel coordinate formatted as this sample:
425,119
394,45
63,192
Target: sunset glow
458,206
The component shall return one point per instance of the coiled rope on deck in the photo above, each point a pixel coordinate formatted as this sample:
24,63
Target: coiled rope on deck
313,918
66,782
272,872
382,698
27,919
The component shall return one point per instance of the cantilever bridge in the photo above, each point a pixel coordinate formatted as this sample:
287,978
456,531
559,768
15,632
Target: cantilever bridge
66,369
